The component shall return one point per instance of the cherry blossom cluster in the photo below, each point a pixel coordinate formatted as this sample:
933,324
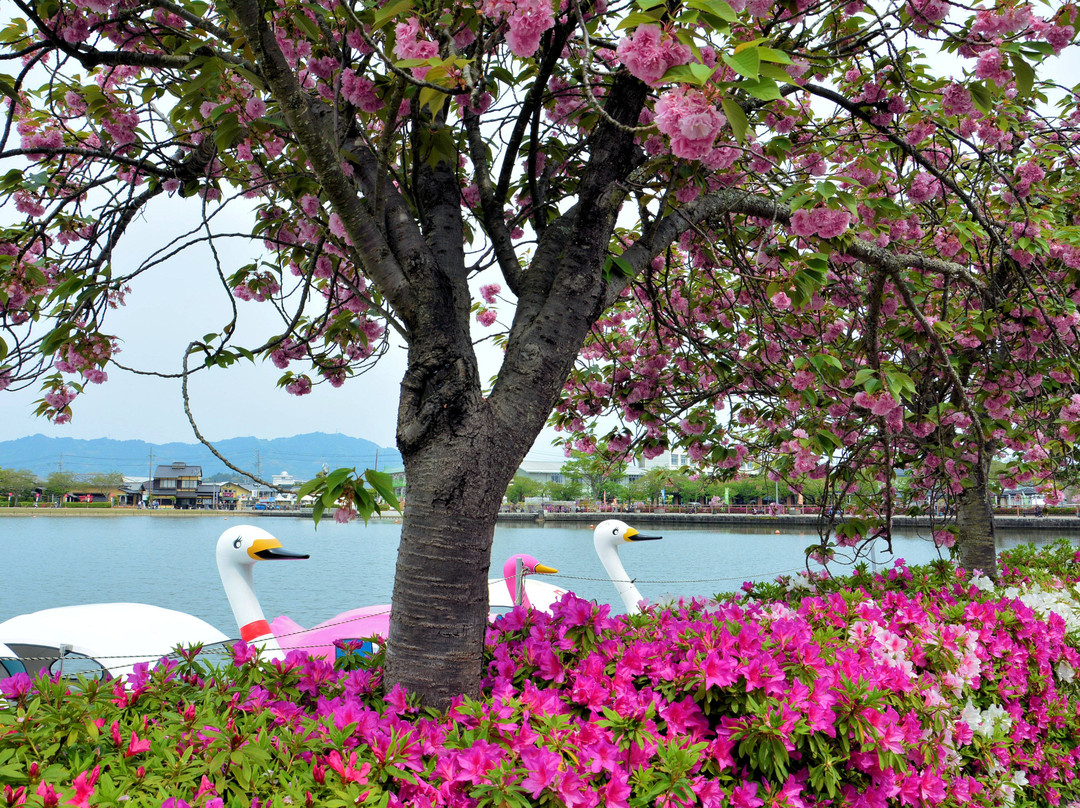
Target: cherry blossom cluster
650,52
87,358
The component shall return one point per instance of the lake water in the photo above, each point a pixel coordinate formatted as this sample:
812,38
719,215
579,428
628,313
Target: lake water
169,561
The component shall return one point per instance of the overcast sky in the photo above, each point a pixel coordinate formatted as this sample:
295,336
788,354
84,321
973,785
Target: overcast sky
182,300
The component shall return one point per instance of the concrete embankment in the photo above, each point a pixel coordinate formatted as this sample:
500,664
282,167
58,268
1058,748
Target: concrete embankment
95,512
782,522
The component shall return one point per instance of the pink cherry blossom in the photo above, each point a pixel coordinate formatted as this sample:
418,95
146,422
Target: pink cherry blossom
525,21
410,45
781,300
690,121
649,53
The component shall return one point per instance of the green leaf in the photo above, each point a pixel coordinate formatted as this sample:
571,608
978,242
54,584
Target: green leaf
310,486
253,78
383,484
764,89
863,375
55,338
821,361
775,71
390,12
67,288
702,72
829,441
336,477
736,117
634,19
618,263
432,99
826,189
305,23
773,55
717,8
981,97
696,74
899,383
1025,75
746,62
228,131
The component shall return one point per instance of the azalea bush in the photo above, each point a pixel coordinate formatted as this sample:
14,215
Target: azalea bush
919,686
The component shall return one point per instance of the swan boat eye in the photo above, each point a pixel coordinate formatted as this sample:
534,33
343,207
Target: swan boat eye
236,543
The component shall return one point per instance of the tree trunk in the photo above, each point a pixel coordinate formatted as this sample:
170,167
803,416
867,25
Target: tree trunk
456,484
975,543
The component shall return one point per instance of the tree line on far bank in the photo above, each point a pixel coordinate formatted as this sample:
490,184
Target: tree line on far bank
21,485
586,476
652,487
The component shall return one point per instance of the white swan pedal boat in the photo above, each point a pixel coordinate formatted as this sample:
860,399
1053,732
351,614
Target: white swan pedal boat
99,640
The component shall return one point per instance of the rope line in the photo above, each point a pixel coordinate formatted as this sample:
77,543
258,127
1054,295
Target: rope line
329,625
682,580
217,650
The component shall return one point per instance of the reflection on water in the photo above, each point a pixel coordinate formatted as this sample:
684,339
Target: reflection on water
169,561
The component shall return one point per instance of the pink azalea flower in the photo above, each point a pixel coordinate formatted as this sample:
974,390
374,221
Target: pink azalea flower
136,746
84,788
243,653
617,791
719,671
17,686
48,794
348,772
745,796
543,767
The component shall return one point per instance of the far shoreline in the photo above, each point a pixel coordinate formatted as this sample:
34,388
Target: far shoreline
1040,524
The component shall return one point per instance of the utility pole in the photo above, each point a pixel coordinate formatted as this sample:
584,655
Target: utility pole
149,478
376,458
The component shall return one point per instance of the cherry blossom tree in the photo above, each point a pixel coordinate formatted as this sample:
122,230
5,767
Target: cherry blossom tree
897,299
431,170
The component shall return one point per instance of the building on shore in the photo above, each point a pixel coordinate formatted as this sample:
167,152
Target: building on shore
176,484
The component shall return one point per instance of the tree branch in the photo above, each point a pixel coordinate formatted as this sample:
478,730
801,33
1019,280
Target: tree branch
371,248
725,201
491,208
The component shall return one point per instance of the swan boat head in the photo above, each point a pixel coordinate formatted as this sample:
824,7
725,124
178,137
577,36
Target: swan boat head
608,536
238,549
515,577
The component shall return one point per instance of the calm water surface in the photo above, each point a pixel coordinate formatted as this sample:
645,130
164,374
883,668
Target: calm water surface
170,562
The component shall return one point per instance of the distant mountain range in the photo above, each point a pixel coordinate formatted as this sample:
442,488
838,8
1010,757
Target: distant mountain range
302,456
